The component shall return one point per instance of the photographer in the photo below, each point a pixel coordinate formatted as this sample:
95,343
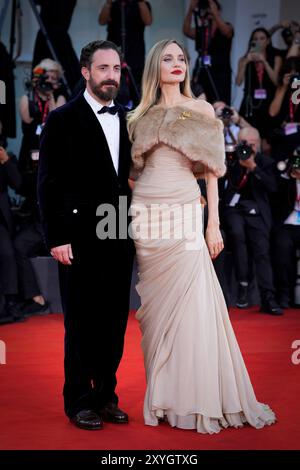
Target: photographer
286,232
259,69
290,35
232,121
9,177
137,15
43,97
217,38
247,217
285,113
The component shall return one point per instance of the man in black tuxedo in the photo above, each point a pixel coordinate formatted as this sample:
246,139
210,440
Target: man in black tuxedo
84,163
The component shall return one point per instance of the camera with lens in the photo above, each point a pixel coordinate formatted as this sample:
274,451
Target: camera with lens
43,85
234,153
226,114
295,160
287,35
39,81
243,151
291,164
294,78
203,8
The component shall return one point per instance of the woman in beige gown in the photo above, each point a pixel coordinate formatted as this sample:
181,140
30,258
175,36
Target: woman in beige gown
196,376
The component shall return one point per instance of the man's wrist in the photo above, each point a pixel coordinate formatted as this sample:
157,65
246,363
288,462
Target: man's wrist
4,159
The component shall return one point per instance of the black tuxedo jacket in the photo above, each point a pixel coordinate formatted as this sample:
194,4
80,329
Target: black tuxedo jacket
76,172
263,182
9,176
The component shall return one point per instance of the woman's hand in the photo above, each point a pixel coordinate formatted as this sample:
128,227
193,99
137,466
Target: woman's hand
194,4
286,79
214,241
258,57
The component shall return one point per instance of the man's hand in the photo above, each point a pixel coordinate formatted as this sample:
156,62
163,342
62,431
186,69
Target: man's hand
249,163
3,155
235,117
63,254
295,174
285,24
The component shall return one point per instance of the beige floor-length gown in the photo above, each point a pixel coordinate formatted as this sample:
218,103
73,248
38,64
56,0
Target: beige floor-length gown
196,376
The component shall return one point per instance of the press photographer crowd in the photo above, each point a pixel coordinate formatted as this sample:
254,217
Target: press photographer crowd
260,193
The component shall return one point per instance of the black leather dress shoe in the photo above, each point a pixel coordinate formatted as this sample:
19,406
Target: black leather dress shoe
87,419
113,414
271,307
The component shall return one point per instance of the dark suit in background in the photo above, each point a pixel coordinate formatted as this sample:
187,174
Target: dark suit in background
76,175
248,223
9,176
286,240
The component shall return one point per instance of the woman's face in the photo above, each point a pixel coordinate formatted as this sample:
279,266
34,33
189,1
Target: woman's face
261,40
173,66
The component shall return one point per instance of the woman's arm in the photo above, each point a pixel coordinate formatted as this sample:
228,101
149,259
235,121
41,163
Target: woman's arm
188,30
145,13
276,104
104,15
213,235
56,104
225,28
24,109
243,62
294,50
273,73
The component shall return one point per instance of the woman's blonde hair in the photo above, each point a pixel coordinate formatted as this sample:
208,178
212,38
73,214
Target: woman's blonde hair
151,80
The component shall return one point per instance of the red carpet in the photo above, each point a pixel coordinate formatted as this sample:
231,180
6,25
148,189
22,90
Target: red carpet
31,381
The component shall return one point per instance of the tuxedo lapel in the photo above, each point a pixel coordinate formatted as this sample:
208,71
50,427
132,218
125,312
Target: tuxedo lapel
123,145
93,130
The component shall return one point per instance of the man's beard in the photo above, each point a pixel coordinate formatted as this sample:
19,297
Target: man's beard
107,95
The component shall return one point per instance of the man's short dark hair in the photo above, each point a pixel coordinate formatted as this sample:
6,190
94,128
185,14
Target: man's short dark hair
87,52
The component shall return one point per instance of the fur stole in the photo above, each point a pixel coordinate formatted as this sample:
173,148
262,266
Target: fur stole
198,137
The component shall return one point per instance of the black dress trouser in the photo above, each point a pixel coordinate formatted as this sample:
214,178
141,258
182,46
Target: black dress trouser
248,230
286,242
95,296
8,265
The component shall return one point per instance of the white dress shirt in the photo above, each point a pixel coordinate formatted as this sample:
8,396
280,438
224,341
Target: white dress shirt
294,217
110,124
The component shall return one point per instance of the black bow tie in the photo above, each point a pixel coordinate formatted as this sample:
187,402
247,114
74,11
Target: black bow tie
109,109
